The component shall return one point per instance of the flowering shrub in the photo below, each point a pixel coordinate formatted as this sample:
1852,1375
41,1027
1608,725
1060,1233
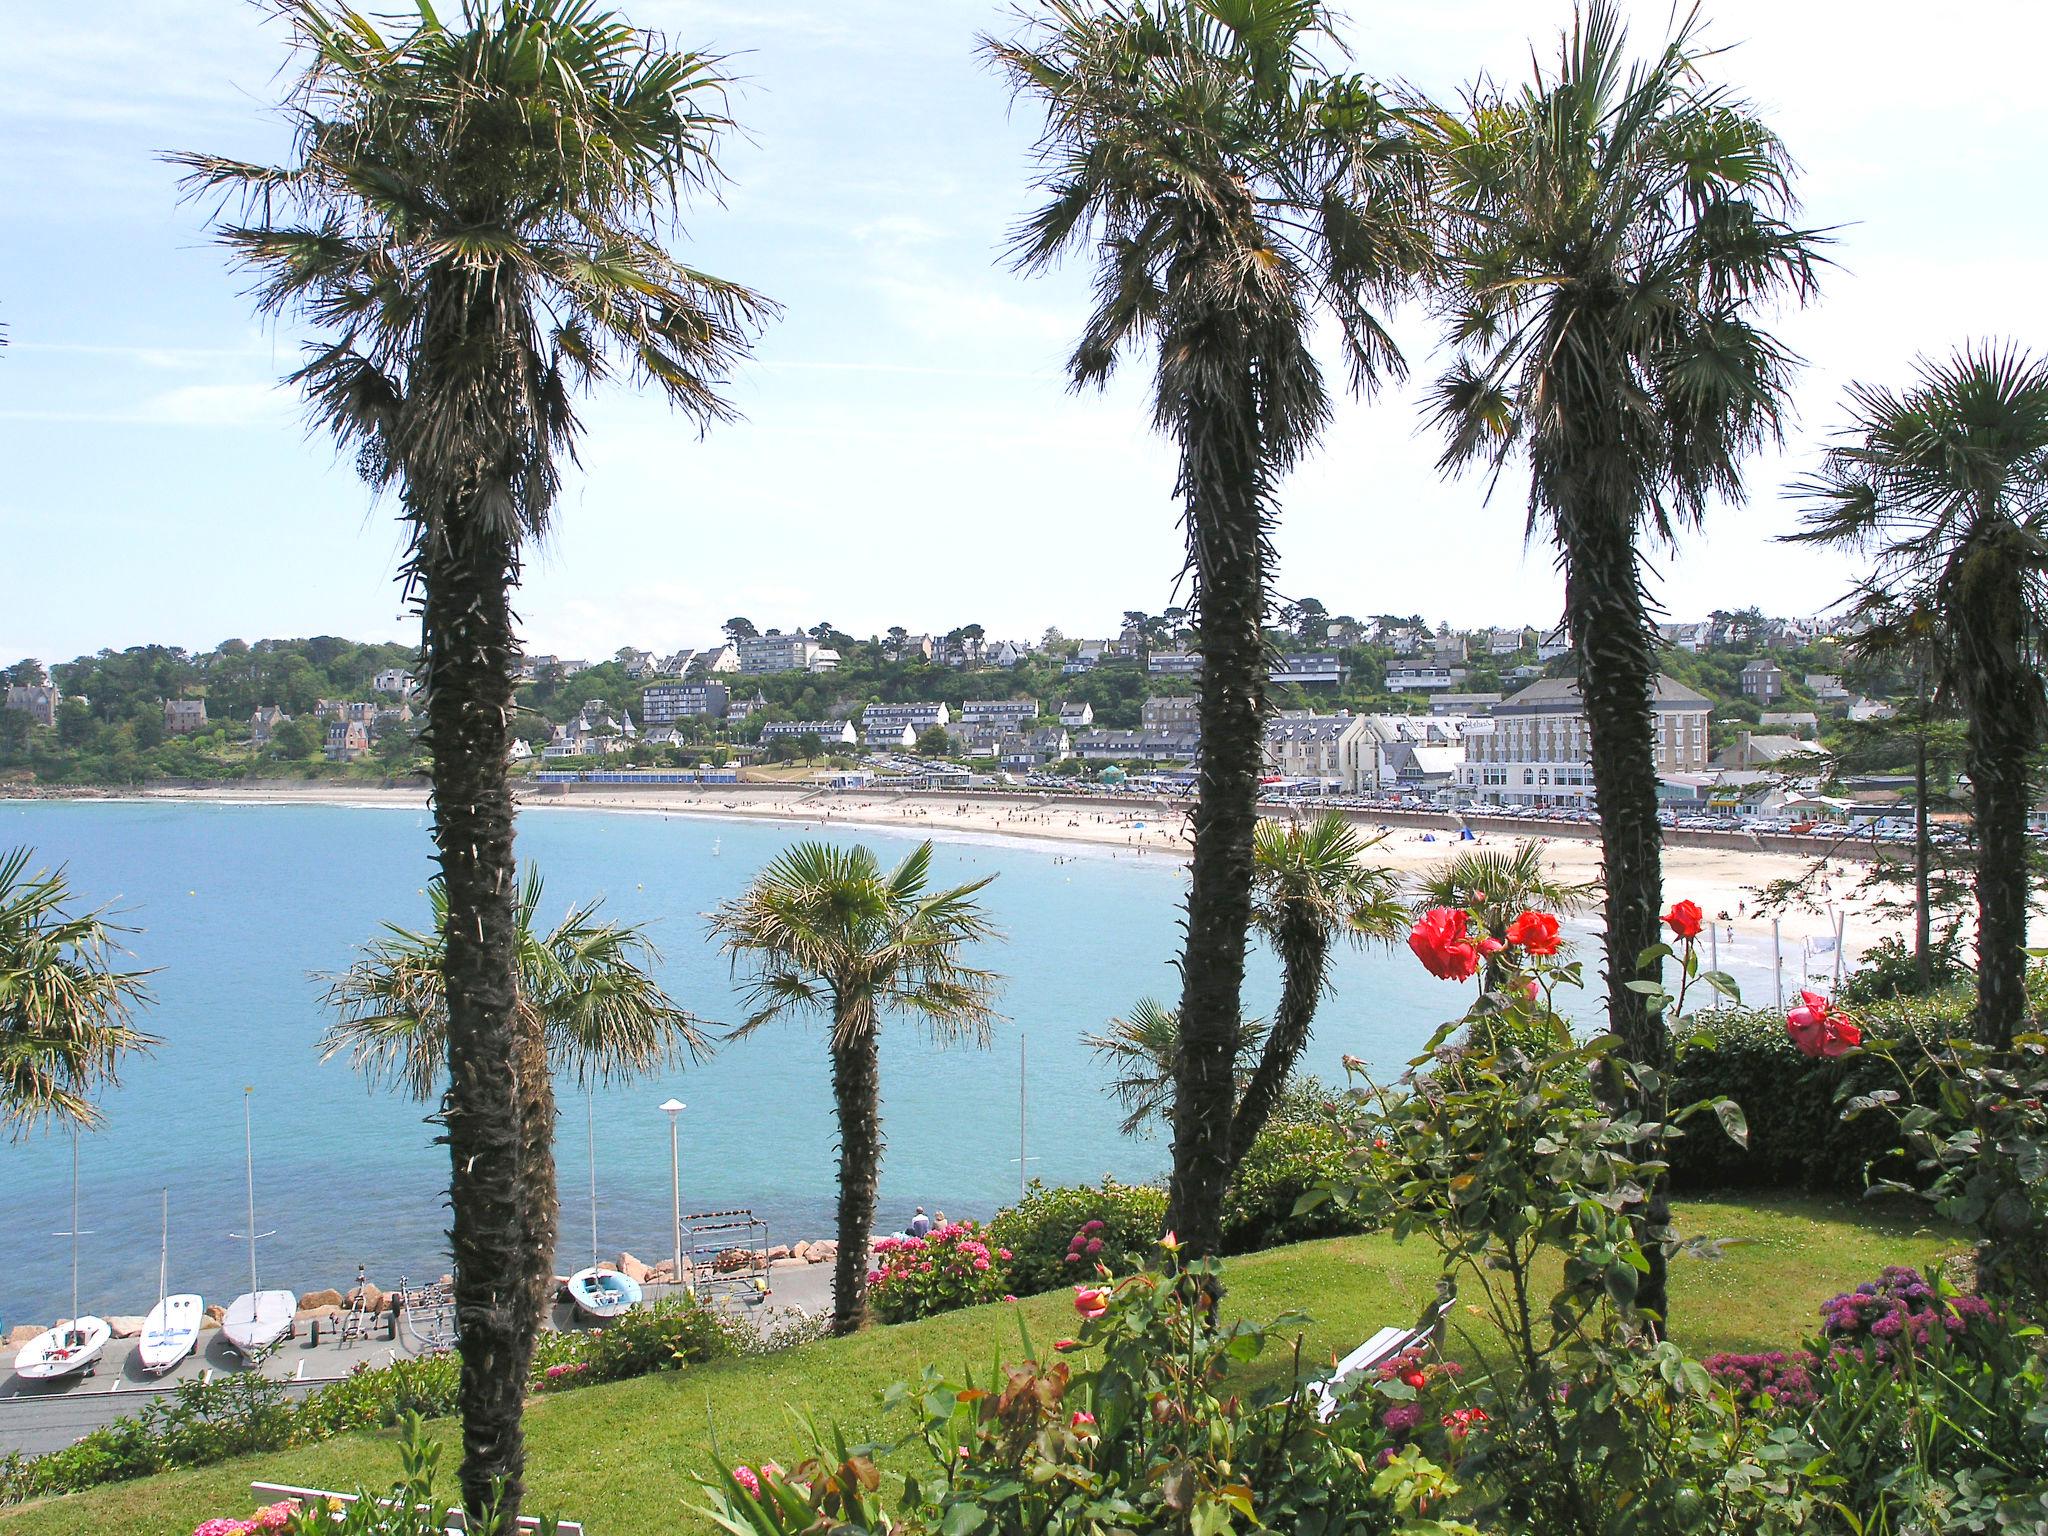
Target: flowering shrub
272,1517
1442,940
950,1266
1897,1314
1039,1231
1135,1426
1779,1378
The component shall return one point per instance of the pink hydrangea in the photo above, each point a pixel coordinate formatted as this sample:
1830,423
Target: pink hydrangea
744,1476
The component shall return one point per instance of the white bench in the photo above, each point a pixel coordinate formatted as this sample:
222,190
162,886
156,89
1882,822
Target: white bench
1377,1351
457,1521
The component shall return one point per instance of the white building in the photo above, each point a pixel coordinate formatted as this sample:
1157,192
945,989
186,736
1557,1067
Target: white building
1309,669
1338,750
832,733
392,680
763,654
1423,677
1539,750
1008,713
662,703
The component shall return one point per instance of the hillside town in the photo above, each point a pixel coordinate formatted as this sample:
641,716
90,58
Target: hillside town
1387,709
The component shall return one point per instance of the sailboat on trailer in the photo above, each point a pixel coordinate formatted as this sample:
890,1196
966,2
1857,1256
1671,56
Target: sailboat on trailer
171,1330
74,1347
256,1319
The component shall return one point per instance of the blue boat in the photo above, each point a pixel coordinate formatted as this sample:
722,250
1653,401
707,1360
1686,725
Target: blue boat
603,1293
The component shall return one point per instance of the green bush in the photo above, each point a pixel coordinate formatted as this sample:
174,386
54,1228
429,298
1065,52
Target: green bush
673,1332
1040,1229
1797,1137
378,1397
1284,1163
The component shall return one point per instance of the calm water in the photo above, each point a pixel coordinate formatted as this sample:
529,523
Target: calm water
238,908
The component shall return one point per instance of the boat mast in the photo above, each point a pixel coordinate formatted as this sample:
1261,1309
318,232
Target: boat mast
590,1132
163,1262
74,1227
249,1178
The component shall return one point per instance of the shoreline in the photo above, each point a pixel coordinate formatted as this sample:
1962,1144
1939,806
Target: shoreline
1719,877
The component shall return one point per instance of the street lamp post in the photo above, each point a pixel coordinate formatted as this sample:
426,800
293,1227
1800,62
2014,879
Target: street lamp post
674,1108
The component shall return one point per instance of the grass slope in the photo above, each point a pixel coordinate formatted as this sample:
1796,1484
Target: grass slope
621,1458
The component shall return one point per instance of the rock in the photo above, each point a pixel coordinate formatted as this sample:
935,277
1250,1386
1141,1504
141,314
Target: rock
789,1263
21,1334
606,1269
372,1299
663,1273
634,1270
214,1316
801,1250
124,1327
779,1252
312,1301
822,1253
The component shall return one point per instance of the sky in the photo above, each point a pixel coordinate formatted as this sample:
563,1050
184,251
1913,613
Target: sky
909,453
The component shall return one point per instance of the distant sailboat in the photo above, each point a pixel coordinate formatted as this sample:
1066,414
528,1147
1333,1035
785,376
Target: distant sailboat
715,842
256,1319
171,1330
71,1348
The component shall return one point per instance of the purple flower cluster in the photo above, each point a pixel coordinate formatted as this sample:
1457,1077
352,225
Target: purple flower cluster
1783,1378
1086,1245
1897,1313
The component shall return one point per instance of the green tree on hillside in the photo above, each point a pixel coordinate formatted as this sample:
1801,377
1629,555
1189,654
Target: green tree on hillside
1615,230
1234,192
472,224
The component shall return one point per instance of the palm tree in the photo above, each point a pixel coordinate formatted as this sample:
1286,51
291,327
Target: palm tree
1233,190
1613,231
66,1014
1494,887
471,223
1944,485
823,930
586,988
1313,890
1140,1048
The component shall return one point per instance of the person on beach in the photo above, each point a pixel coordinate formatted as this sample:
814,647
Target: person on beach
920,1224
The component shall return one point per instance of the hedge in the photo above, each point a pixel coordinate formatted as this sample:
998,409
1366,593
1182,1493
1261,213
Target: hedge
1797,1137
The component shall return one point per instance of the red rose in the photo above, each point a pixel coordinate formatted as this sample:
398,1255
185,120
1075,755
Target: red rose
1534,933
1686,919
1441,943
1818,1028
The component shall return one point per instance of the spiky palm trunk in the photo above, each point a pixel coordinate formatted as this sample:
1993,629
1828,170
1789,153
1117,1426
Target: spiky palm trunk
466,570
857,1101
1605,606
1304,960
1222,478
2004,695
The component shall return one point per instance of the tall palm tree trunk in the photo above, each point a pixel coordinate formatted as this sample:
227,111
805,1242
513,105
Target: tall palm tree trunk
2004,710
1617,673
1222,480
1303,965
466,573
857,1100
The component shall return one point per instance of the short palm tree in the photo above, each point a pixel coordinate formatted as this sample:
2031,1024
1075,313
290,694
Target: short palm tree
586,988
824,930
1233,191
472,224
1946,485
1614,230
1495,886
66,1012
1314,891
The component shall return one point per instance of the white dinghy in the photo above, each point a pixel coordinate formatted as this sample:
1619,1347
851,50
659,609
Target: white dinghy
69,1349
256,1319
171,1330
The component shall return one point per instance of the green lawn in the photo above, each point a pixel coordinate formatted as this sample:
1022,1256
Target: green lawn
620,1457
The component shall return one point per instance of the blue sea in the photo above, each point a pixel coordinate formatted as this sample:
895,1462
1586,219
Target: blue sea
240,908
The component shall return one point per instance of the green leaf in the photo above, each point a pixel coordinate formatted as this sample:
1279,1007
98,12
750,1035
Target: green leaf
1733,1121
962,1519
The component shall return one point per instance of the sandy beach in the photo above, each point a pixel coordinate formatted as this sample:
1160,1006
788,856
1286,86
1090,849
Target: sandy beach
1721,879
